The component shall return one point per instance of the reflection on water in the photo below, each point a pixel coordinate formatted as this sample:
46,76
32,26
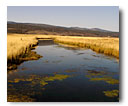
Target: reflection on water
65,74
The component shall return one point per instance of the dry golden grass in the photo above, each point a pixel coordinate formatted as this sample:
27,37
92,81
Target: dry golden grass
109,46
18,45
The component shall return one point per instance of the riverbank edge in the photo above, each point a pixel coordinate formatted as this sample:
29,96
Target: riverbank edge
57,39
27,56
98,49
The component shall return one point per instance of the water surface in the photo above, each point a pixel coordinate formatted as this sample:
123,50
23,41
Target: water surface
65,74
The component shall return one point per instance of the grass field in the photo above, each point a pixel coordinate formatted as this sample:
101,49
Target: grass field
20,44
19,49
106,45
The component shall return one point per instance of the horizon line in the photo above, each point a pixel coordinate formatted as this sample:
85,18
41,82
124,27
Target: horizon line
64,26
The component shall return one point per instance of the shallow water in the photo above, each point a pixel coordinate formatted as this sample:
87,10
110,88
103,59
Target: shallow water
65,74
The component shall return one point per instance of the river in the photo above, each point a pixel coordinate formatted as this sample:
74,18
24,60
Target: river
65,74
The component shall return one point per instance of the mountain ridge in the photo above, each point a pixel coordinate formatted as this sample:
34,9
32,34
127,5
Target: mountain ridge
36,28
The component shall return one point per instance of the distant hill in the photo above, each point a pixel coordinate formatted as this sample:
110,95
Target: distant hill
32,28
101,30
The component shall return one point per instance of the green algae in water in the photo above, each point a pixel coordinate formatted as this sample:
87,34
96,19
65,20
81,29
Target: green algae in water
42,82
113,93
107,80
56,77
25,94
101,76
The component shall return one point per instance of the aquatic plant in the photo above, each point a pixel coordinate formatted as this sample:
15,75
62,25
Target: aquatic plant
56,77
24,95
19,98
106,79
101,76
113,93
20,79
42,82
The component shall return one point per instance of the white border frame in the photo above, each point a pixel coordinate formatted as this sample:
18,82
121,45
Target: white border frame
123,45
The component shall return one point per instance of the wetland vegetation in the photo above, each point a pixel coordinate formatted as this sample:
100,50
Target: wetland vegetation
20,45
75,62
50,71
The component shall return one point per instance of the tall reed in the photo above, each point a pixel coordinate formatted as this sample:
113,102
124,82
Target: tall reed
109,46
18,45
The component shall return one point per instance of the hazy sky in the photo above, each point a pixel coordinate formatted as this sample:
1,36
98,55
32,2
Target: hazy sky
70,16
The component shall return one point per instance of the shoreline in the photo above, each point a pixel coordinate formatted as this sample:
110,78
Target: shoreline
92,44
20,46
23,53
31,55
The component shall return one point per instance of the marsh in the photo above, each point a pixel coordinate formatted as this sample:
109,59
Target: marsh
70,74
